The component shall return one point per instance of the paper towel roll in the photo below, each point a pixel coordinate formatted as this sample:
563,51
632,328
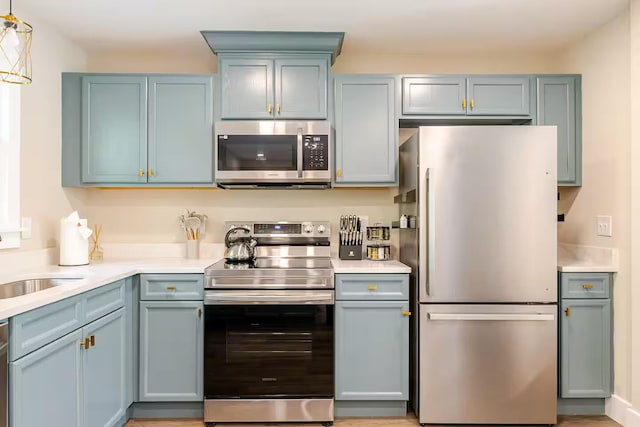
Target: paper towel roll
74,248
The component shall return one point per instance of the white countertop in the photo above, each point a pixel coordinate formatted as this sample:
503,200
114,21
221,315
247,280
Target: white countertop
587,259
367,266
94,276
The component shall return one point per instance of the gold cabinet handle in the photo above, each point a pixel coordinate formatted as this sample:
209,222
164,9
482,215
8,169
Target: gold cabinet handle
473,104
587,286
464,104
568,311
171,288
339,172
199,313
85,343
372,287
406,313
269,108
150,172
93,340
278,108
141,172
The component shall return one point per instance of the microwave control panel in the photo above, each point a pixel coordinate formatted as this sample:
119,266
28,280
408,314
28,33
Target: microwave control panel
315,153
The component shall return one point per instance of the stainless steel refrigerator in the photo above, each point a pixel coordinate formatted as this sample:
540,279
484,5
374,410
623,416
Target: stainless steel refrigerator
483,254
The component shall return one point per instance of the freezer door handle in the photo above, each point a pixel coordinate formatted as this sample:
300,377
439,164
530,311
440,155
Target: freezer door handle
494,316
428,231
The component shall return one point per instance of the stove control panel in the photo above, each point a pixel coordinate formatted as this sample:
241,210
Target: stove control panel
284,228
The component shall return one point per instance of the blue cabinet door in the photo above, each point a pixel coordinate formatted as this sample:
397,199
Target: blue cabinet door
45,386
301,88
558,106
372,350
585,345
171,351
436,95
247,89
180,129
104,370
366,131
499,96
114,129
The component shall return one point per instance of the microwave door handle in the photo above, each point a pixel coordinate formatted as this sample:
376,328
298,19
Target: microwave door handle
300,153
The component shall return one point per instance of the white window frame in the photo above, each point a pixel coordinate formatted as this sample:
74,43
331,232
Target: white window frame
9,165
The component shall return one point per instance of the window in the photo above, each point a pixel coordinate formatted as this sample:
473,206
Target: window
9,165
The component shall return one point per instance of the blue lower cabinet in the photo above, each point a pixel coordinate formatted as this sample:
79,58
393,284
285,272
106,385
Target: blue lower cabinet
171,351
585,348
45,386
78,380
372,350
104,371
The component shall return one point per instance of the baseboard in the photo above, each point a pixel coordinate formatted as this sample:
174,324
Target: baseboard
616,408
167,410
581,406
370,408
632,419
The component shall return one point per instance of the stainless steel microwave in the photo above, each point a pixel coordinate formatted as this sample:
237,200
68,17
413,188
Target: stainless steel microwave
267,154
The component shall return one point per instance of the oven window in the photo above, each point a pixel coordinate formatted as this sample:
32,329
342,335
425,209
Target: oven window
257,153
268,351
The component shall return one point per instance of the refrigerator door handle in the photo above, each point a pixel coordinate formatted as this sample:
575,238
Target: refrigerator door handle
430,229
495,316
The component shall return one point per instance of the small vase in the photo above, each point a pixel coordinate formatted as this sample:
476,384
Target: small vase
193,249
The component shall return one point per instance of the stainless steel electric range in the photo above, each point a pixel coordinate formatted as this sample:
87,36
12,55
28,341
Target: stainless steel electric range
269,329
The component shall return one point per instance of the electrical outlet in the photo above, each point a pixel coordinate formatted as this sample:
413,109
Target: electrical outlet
26,227
604,225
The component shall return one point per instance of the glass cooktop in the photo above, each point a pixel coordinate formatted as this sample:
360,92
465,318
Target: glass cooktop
272,263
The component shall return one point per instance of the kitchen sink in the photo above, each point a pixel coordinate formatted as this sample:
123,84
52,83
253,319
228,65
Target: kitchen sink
24,287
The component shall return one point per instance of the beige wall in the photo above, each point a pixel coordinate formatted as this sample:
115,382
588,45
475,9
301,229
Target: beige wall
43,199
635,205
603,59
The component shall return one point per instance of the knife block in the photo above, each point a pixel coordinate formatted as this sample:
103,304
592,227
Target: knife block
350,252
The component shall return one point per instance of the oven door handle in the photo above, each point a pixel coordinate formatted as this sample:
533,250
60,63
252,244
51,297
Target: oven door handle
252,297
300,156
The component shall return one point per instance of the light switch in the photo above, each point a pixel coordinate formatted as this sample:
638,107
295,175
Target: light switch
604,225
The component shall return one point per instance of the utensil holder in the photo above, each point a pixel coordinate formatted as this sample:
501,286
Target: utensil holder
350,252
193,249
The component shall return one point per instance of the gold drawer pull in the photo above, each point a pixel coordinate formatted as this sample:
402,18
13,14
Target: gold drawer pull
141,172
406,313
171,288
587,286
473,104
85,343
568,311
199,313
464,104
93,340
372,287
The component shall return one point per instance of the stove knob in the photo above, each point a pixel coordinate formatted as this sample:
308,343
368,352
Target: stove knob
308,228
321,229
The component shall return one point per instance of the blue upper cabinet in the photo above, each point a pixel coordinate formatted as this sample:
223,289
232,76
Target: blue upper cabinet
114,129
137,130
180,129
283,88
247,88
559,105
499,96
366,131
452,95
439,95
301,88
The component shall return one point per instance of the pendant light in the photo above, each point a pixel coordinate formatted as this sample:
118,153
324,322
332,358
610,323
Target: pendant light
15,49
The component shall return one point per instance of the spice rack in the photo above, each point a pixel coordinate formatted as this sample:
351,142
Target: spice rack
377,248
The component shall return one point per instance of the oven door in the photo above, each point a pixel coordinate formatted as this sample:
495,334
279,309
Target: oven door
276,344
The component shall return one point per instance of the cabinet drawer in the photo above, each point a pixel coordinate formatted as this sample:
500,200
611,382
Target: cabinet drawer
104,300
372,286
34,329
585,285
188,287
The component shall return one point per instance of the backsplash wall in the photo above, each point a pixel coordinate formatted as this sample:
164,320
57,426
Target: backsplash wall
150,216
